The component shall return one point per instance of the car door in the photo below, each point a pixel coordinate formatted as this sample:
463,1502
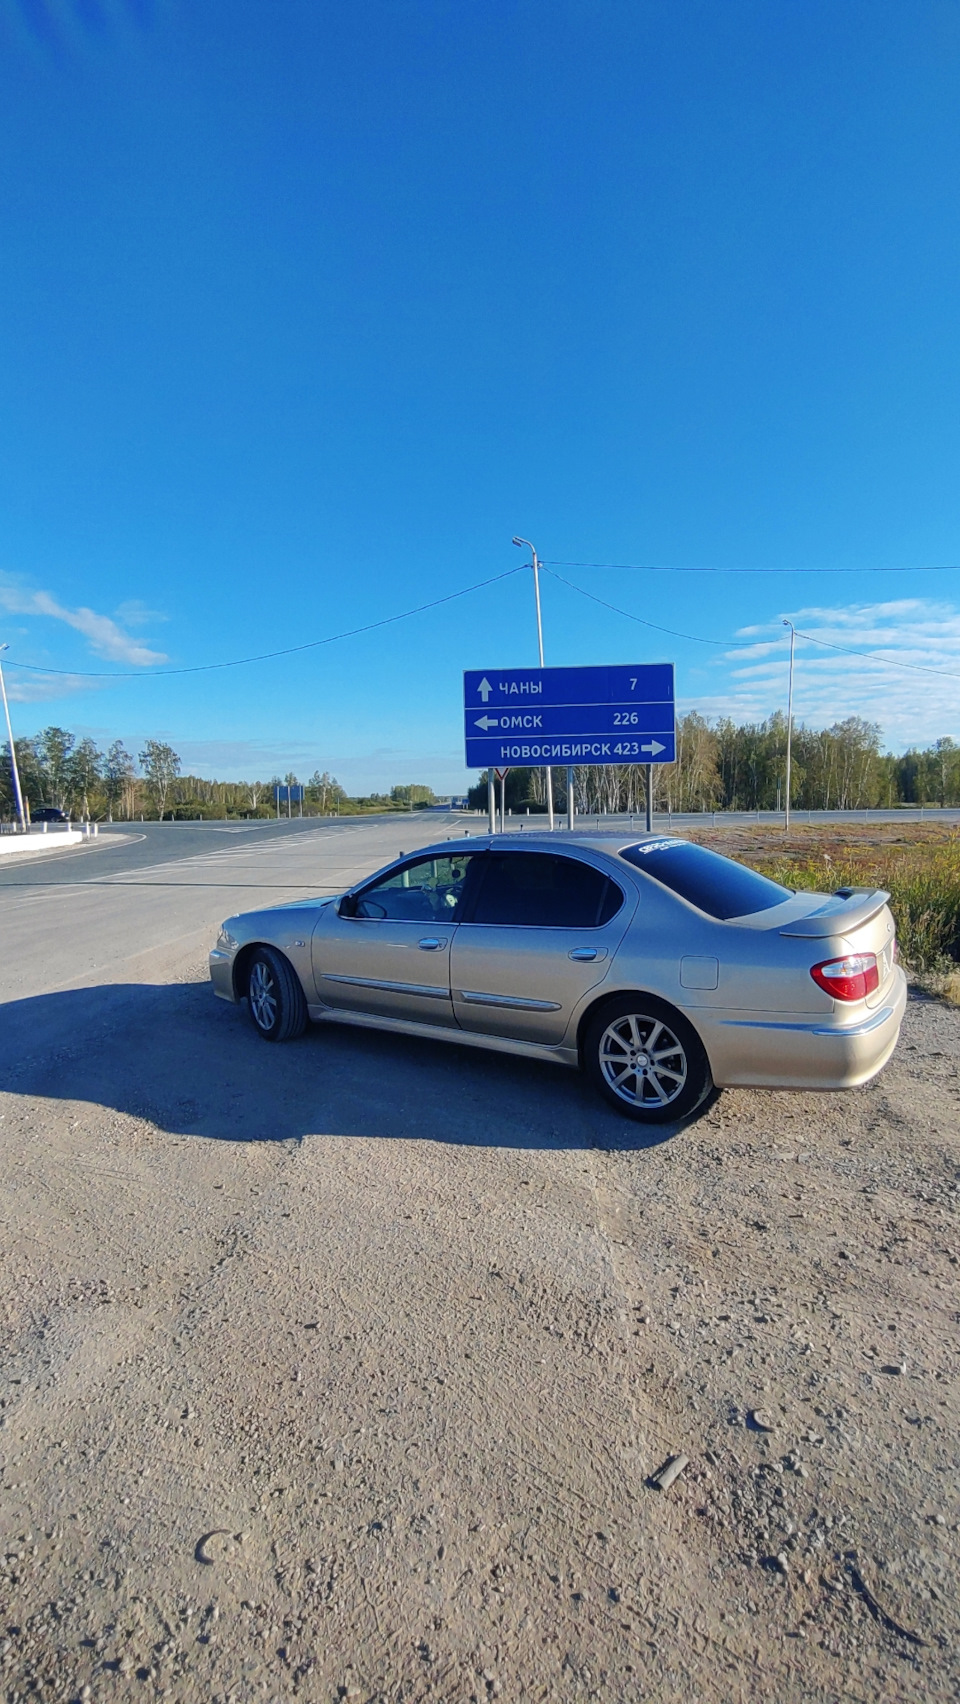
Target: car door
540,930
386,950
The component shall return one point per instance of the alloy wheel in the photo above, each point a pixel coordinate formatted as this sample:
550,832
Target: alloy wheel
642,1061
263,995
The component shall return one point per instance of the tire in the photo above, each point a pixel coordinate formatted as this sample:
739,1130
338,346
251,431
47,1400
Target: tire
657,1083
275,998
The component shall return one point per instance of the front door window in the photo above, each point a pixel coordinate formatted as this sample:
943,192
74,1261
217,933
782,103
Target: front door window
427,891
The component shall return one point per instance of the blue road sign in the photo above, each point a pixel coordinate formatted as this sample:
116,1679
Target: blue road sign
618,714
284,795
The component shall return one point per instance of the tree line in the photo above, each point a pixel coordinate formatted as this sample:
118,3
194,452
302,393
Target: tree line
727,765
58,768
722,765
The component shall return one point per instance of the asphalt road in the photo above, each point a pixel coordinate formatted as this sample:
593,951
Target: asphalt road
141,902
127,848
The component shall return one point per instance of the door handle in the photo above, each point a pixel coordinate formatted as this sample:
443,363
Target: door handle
431,944
587,955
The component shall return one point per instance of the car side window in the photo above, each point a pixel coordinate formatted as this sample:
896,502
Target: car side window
541,890
428,890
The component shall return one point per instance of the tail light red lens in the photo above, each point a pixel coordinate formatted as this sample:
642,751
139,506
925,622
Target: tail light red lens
850,978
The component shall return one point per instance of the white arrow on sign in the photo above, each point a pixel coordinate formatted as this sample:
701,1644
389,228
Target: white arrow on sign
487,722
484,689
653,747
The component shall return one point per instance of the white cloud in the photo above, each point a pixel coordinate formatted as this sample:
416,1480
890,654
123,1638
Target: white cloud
106,636
23,688
912,707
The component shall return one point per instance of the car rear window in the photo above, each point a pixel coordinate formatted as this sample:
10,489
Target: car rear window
709,881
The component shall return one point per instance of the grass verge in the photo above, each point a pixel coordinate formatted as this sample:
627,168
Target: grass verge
924,887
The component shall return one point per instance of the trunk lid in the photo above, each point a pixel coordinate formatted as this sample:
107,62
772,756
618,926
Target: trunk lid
856,920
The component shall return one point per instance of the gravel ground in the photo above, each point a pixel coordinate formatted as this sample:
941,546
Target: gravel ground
339,1370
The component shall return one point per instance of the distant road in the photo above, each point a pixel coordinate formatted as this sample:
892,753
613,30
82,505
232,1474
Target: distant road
123,849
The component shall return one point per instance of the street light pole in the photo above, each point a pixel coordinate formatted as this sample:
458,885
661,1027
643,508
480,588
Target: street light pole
17,794
536,593
786,802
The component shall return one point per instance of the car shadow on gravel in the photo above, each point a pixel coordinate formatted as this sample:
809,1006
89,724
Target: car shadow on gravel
190,1064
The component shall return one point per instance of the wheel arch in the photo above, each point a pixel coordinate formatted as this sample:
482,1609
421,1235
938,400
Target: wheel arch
613,996
241,963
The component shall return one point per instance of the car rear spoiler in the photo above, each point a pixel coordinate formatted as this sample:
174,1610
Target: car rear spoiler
857,906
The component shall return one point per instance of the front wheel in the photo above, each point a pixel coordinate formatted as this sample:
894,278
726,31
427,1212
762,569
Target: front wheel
275,997
646,1059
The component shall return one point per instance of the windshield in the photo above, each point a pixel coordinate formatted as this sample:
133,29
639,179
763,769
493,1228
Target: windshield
709,881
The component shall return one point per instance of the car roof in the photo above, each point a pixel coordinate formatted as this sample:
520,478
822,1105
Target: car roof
608,841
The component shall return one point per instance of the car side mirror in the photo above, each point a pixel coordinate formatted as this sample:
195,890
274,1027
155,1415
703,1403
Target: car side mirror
348,905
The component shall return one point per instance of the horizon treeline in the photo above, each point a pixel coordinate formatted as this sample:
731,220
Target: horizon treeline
725,765
720,765
75,775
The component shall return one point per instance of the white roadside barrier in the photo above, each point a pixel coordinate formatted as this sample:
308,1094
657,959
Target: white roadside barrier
28,845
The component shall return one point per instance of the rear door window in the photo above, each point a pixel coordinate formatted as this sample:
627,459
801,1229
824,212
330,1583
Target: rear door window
541,890
709,881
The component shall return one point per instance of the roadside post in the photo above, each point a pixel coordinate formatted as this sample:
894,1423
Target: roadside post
616,714
491,803
17,794
501,775
535,565
288,795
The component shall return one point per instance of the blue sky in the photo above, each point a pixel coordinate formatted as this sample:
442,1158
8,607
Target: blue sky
306,309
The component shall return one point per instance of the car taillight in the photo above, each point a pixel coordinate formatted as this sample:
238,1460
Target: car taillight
850,978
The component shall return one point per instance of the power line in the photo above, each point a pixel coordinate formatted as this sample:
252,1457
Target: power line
698,639
871,656
673,631
266,656
702,568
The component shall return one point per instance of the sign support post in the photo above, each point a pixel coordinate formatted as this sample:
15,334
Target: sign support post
571,802
491,803
649,798
536,592
503,803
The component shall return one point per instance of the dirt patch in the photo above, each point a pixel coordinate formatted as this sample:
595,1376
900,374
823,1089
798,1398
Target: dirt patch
766,842
341,1369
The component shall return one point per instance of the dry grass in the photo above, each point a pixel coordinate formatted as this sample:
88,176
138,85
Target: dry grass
918,864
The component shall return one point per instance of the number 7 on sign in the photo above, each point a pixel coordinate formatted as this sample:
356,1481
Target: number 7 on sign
633,683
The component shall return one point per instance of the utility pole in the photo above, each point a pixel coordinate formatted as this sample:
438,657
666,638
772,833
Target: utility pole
17,794
786,802
536,592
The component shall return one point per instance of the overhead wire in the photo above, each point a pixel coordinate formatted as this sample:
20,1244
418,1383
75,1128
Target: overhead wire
698,639
494,579
703,568
265,656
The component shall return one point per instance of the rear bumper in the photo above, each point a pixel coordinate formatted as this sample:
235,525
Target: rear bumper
221,975
750,1051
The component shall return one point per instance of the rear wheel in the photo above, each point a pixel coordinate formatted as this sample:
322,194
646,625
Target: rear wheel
275,997
646,1059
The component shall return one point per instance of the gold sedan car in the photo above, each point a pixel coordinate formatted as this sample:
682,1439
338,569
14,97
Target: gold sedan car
659,967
